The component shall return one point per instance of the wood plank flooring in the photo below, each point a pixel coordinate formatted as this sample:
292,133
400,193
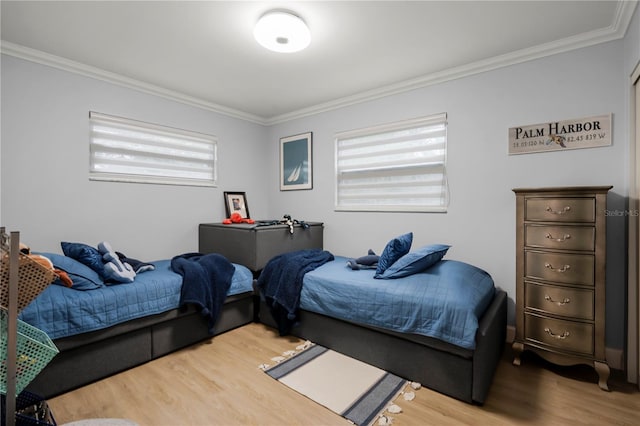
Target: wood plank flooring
219,383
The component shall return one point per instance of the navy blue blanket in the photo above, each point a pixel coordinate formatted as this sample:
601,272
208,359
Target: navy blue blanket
280,283
206,278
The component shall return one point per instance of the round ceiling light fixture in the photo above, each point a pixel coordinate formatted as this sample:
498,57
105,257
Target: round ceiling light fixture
281,31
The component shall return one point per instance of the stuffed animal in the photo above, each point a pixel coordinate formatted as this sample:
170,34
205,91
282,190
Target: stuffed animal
114,268
46,263
43,261
237,218
286,220
370,261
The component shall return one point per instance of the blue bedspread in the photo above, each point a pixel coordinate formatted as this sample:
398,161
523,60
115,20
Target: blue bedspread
206,278
280,282
60,311
443,302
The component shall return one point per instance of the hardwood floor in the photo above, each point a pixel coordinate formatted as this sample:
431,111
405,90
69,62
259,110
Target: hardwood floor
219,383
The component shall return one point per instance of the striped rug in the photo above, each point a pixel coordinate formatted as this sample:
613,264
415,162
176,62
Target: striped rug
348,387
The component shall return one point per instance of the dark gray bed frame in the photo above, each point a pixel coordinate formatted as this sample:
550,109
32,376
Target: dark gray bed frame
461,373
88,357
451,370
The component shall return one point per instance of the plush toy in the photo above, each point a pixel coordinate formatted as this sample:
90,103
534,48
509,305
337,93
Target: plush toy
286,220
137,265
115,269
237,218
46,263
370,261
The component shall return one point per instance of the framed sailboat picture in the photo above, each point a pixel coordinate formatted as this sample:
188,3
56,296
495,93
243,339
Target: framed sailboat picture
296,162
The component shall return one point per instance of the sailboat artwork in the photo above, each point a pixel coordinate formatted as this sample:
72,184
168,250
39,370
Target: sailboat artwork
295,174
295,162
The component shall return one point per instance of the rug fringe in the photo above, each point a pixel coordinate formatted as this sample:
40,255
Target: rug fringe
383,419
287,354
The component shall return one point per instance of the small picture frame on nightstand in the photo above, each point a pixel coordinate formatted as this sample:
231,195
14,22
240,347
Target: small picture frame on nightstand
236,202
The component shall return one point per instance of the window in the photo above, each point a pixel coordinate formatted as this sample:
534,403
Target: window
393,167
132,151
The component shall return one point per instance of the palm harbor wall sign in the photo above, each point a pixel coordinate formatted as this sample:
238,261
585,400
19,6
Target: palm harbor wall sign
586,132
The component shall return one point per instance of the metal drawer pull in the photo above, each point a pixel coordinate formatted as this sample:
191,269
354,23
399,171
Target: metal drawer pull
563,211
562,336
564,238
566,300
564,268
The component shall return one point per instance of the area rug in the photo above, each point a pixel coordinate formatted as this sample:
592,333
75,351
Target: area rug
357,391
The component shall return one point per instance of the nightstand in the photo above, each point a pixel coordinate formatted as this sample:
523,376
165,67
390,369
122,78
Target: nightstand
253,246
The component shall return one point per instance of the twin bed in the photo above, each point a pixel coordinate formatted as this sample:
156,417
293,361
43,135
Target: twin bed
103,329
443,327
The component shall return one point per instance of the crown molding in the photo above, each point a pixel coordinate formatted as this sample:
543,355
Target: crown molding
617,30
43,58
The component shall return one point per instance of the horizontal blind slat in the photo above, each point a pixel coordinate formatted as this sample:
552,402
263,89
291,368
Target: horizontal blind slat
391,138
144,152
124,147
142,137
393,169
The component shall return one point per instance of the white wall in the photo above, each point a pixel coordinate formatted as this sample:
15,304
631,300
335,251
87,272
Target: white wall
46,193
480,222
632,44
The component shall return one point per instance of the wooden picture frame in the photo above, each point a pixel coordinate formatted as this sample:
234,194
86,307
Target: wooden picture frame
236,202
296,162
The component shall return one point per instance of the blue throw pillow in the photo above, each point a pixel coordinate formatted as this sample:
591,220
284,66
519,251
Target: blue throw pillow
86,255
394,250
83,277
416,261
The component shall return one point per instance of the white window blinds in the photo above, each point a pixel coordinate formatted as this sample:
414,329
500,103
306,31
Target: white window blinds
394,167
132,151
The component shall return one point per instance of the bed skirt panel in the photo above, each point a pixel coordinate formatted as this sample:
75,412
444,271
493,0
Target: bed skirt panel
185,330
85,364
441,371
492,334
460,373
86,358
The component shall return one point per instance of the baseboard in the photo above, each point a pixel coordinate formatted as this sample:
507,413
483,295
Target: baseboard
615,357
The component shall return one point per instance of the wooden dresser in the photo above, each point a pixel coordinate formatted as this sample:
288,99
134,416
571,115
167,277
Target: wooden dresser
560,271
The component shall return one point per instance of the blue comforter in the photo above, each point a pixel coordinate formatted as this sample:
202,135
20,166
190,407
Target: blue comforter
206,278
280,282
443,302
60,311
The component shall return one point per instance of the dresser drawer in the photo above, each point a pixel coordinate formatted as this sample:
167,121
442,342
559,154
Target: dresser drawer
564,335
562,268
557,300
560,237
560,209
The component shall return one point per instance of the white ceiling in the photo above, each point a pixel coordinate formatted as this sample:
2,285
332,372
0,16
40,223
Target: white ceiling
204,53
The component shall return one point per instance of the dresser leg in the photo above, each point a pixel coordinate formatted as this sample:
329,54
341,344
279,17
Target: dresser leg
603,374
517,349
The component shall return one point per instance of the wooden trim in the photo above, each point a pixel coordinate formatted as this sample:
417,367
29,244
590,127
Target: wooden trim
633,249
